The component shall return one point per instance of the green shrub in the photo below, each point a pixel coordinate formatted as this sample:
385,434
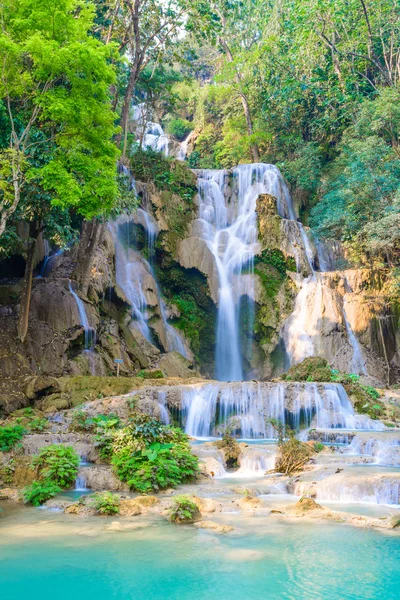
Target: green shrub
9,436
105,427
184,510
80,421
157,467
180,128
38,424
57,464
7,473
105,503
318,446
39,492
313,368
156,374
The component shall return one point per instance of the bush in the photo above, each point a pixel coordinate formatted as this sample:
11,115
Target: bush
105,503
156,374
57,464
9,436
365,401
39,492
310,369
184,510
105,427
318,446
293,455
179,128
151,456
157,467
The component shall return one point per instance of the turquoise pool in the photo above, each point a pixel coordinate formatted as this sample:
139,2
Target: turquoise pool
53,556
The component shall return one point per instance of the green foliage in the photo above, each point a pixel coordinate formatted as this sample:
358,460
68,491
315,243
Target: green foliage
150,456
7,473
105,503
293,454
38,492
276,259
365,400
56,86
184,510
310,369
57,464
146,374
9,436
179,128
318,446
166,174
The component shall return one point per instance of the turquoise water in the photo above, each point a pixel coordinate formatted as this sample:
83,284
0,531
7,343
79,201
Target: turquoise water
263,559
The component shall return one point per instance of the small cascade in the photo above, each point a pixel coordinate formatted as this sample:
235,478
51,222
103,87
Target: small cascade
149,134
385,448
254,462
317,305
130,274
183,146
247,406
351,488
164,414
80,483
90,332
135,275
358,363
48,260
151,228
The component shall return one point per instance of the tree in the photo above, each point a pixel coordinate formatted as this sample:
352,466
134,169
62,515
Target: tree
146,29
55,93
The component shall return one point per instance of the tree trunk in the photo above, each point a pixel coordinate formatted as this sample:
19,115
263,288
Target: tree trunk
254,148
23,319
91,235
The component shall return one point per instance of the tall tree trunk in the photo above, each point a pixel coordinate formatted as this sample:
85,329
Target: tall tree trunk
23,319
254,147
91,235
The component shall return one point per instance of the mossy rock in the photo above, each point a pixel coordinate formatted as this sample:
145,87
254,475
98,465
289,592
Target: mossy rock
363,402
313,368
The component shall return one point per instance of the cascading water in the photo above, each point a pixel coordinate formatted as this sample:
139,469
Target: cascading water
247,406
90,332
315,300
130,273
149,133
164,414
229,228
133,273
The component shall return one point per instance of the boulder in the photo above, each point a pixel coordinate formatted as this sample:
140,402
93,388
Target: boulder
173,364
248,503
129,508
216,527
206,505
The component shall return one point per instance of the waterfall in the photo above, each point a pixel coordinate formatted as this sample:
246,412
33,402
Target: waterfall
90,332
229,227
314,301
130,274
133,273
355,488
246,406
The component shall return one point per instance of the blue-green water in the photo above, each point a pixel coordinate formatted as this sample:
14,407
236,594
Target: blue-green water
63,557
